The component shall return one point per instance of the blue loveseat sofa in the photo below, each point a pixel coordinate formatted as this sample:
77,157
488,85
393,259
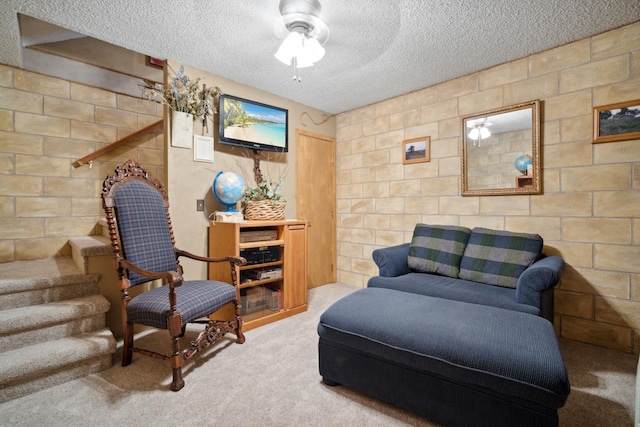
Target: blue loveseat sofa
455,328
479,266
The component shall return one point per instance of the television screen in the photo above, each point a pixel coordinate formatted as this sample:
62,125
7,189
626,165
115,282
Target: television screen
253,125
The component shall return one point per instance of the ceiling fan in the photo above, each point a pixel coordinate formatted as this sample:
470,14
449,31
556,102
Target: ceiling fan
306,33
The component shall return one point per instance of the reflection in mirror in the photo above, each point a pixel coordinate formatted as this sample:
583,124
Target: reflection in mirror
501,151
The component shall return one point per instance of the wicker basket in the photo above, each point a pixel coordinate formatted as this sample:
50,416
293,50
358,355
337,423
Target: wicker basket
264,210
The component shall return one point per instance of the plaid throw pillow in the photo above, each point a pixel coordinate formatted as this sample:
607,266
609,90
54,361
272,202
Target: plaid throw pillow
437,249
498,257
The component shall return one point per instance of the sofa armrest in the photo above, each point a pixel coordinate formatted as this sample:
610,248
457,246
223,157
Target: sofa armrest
392,261
539,277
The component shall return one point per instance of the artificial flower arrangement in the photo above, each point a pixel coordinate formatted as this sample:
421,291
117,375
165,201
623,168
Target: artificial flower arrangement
264,201
265,190
184,95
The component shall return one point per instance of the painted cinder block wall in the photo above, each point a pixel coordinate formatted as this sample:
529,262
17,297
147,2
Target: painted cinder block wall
589,212
47,123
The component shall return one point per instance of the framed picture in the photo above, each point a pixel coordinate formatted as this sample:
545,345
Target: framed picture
416,150
202,149
616,122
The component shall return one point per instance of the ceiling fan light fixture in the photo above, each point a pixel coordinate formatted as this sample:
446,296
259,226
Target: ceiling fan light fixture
303,62
312,50
484,133
307,33
290,47
479,132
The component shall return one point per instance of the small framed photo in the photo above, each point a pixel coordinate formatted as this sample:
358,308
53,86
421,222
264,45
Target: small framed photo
416,150
616,122
202,149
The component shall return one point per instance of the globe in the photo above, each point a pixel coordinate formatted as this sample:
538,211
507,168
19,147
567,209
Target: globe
228,188
522,163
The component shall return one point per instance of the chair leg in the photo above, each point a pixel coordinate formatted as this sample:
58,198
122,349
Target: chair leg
239,335
176,365
178,382
127,345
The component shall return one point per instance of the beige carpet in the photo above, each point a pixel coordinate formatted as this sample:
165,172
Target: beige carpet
273,380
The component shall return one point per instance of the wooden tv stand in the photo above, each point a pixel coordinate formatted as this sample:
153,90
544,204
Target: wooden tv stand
273,284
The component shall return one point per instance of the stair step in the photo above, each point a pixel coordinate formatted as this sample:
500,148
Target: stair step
41,281
84,247
45,322
104,227
29,369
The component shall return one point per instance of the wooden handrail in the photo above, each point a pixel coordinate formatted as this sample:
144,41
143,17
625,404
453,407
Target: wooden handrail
113,146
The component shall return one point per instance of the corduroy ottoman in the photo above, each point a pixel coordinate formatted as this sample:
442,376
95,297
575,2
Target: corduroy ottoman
456,363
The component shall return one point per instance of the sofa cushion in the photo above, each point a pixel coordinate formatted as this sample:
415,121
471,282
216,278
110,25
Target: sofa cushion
454,289
437,249
498,257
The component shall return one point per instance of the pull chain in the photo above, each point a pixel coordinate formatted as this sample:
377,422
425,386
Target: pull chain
296,70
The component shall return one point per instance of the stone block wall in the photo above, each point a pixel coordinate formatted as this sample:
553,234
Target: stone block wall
589,212
46,124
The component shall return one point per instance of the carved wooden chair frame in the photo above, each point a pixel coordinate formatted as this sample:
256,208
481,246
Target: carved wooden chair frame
214,329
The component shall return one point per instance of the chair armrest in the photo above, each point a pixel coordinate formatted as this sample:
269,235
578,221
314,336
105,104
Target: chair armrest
392,261
232,260
240,261
540,276
173,278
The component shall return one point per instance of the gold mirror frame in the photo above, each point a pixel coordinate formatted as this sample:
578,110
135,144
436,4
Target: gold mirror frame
488,157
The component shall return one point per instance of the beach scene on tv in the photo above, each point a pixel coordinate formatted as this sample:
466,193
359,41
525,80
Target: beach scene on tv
246,121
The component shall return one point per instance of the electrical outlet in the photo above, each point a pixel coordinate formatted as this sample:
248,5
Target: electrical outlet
200,205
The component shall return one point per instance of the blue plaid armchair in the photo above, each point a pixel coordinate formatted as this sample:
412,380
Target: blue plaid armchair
137,210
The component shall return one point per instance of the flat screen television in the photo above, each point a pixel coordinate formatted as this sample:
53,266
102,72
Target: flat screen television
253,125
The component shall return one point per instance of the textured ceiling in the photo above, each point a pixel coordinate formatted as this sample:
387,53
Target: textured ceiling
377,49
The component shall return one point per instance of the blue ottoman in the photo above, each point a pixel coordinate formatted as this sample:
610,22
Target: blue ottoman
456,363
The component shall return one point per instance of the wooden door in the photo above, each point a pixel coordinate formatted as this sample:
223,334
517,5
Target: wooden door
316,203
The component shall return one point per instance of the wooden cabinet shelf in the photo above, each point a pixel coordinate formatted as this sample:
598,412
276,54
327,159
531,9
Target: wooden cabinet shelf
267,264
273,285
260,244
253,283
524,181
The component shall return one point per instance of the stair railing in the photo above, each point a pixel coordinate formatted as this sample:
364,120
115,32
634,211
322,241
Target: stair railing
89,158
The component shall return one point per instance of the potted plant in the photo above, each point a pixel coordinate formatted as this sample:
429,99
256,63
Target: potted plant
264,201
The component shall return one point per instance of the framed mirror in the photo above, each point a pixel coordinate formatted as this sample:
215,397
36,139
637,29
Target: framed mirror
501,151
